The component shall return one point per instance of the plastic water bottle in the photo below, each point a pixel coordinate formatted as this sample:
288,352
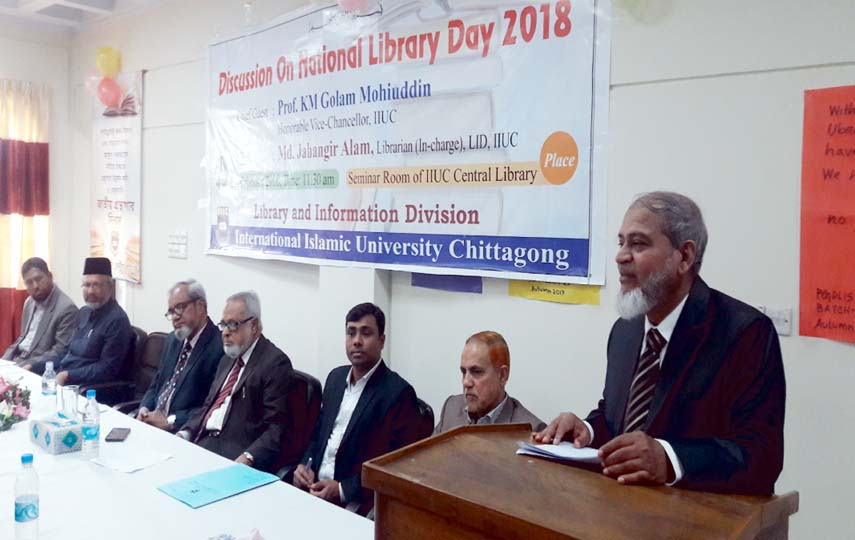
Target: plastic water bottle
91,426
49,380
27,501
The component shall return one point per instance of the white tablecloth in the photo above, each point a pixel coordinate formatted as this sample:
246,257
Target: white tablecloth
80,500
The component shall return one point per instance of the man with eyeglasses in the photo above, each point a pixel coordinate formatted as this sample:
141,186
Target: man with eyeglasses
189,361
245,416
103,336
47,321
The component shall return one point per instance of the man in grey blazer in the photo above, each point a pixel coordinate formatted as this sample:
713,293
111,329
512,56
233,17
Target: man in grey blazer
485,366
48,318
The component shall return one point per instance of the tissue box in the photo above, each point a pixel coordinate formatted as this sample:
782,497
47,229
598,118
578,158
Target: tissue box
57,435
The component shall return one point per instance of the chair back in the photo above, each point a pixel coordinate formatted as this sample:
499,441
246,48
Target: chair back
426,419
304,406
148,362
135,347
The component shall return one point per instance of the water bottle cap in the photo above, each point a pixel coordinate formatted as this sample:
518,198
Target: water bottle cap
49,365
90,394
26,458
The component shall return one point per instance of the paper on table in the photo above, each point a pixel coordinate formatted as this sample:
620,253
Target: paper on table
563,451
128,461
205,488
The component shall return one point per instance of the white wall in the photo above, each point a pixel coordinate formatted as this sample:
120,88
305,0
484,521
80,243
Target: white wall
35,53
706,99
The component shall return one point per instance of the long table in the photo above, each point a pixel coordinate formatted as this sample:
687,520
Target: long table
82,500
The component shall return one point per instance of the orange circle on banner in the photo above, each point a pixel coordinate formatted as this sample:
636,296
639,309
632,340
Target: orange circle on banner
559,157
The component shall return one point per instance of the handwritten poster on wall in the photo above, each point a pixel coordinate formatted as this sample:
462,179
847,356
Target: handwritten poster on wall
827,295
462,139
114,221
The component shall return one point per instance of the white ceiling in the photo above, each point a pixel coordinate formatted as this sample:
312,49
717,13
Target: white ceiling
69,14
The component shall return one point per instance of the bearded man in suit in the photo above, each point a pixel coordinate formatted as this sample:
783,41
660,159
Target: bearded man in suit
245,416
47,322
695,390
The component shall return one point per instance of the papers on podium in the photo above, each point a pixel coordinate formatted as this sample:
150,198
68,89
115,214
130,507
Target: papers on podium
563,451
205,488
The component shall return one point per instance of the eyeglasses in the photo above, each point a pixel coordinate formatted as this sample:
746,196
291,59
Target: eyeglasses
97,285
232,325
177,311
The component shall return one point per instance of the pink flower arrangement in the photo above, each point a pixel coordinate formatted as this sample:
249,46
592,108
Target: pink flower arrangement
14,404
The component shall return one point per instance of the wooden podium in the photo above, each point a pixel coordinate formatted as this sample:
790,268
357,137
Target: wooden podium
469,484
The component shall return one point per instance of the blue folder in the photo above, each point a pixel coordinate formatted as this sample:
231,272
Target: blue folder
197,491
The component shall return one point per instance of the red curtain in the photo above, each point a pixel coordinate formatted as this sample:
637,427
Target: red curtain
24,193
24,185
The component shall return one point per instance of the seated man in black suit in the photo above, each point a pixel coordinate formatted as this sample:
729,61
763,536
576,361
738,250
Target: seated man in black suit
188,363
695,389
367,410
245,416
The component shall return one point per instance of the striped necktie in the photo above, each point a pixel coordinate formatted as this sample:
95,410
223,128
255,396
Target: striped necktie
166,394
224,393
644,383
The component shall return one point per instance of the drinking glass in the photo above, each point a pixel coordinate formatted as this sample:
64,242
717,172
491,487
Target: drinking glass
67,397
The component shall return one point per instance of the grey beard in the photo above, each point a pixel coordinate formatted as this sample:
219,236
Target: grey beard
233,351
183,332
95,305
641,300
633,303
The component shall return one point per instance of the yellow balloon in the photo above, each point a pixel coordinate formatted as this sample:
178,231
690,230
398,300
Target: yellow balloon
109,61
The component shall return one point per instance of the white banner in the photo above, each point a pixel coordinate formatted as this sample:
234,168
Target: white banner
415,136
114,222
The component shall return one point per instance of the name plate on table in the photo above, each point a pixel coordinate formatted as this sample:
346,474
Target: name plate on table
206,488
57,435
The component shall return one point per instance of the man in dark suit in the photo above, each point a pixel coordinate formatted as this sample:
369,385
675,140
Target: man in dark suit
188,363
485,366
48,317
367,410
695,389
245,416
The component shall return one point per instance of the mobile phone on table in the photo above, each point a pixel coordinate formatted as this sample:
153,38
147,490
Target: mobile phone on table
118,434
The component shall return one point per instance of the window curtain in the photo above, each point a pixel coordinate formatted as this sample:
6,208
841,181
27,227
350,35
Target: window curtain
24,195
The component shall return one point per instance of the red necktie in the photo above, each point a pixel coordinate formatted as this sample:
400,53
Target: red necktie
644,382
224,393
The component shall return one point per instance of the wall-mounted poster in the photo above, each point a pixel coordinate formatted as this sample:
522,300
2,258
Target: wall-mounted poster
114,221
827,287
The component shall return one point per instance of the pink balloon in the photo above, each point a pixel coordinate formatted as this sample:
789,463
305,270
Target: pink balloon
109,92
353,5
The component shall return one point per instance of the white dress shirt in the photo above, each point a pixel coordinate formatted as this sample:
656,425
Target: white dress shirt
666,328
218,416
352,393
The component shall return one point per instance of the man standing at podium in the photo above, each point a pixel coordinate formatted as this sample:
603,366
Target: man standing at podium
695,390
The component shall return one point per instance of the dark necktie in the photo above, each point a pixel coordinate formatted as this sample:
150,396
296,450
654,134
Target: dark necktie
224,393
166,394
644,382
